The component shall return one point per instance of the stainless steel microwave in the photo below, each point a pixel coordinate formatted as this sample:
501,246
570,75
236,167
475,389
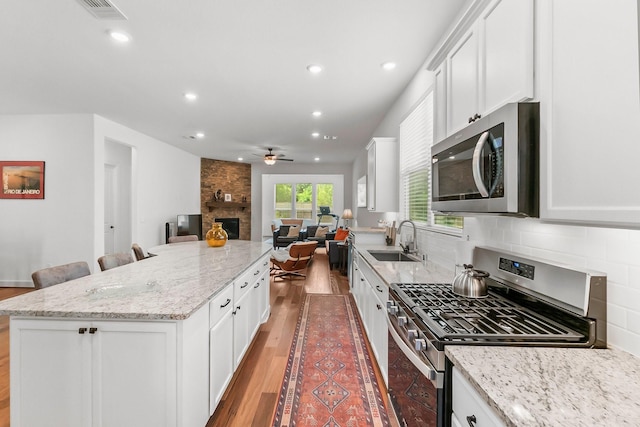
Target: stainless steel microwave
491,166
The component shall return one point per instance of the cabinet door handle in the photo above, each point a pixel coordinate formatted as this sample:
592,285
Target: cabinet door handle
226,303
92,330
379,306
470,119
476,117
245,285
379,289
471,419
82,330
256,273
257,285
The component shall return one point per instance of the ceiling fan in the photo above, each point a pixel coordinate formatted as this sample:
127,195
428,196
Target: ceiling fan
270,158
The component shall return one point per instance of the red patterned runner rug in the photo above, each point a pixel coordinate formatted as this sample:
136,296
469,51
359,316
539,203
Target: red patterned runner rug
329,380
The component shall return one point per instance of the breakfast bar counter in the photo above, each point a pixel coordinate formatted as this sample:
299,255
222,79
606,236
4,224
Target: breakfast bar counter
171,286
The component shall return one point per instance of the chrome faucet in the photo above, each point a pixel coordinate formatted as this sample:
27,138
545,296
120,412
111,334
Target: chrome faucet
410,247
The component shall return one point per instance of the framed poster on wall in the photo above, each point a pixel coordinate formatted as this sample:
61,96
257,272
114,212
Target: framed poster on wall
21,180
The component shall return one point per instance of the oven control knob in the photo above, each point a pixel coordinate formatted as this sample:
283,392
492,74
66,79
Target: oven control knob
392,309
402,320
420,344
412,334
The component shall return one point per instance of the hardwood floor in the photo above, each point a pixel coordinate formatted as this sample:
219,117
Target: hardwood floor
253,394
252,397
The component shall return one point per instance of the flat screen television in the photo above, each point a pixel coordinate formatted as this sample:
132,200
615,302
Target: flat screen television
190,224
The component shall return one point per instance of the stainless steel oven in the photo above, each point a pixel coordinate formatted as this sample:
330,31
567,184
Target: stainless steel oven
531,302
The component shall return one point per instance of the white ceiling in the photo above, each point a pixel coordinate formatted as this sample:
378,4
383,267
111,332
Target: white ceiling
246,60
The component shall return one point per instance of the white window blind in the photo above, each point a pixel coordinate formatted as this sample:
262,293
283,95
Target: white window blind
416,139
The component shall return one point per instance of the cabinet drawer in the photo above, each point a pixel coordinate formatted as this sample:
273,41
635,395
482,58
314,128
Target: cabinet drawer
467,403
220,305
245,281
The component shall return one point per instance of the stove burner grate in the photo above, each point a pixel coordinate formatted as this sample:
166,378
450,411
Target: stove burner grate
494,318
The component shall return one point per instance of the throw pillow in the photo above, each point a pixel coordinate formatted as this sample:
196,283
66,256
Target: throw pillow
341,234
321,231
294,230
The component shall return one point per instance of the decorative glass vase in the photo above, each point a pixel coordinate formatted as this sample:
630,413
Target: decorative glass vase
216,237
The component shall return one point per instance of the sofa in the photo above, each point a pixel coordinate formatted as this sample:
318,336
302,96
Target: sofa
284,236
310,234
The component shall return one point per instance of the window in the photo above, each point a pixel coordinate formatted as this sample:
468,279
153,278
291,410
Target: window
304,201
283,206
416,139
308,199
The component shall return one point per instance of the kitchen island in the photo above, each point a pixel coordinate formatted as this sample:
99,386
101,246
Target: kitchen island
147,343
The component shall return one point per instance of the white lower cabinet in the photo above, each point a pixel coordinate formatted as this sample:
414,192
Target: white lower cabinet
468,407
371,295
82,373
221,361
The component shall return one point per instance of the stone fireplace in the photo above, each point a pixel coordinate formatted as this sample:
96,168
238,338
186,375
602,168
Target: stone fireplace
225,193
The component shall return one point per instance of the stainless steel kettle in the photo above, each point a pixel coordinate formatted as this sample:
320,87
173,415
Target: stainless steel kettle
470,283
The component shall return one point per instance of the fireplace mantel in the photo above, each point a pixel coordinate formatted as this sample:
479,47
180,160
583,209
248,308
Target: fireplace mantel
222,205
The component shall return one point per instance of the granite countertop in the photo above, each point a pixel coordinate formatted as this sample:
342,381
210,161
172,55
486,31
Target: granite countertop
367,230
532,386
170,286
404,272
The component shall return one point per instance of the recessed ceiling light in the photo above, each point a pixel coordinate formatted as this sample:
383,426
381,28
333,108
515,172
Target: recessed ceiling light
119,36
317,159
315,134
240,159
199,135
314,68
191,96
316,113
388,65
331,137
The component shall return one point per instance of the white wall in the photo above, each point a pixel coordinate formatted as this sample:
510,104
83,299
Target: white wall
67,225
59,229
165,183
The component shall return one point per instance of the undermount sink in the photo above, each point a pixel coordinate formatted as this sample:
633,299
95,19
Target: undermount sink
395,256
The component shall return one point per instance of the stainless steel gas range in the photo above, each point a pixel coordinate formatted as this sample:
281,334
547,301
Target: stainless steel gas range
531,302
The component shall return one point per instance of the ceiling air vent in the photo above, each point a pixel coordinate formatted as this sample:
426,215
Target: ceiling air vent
102,9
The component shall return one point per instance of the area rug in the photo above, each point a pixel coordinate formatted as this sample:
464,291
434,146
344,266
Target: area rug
329,380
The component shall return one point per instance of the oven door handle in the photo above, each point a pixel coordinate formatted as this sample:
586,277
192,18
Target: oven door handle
427,369
477,174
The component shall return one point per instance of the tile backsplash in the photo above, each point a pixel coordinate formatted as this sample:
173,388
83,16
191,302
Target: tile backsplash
613,251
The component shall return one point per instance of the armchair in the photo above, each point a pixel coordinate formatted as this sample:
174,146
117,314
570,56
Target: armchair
334,246
293,262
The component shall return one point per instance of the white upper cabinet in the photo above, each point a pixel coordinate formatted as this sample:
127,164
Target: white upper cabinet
382,175
587,82
506,58
463,83
485,63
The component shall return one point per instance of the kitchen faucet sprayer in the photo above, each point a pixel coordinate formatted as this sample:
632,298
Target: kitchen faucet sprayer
412,246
